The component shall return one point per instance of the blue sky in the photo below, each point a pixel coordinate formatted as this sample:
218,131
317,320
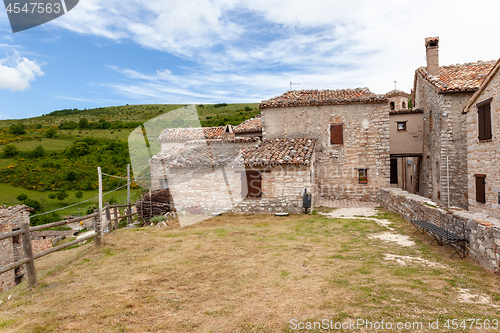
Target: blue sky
117,52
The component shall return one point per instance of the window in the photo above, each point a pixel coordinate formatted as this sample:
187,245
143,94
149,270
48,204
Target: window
392,106
484,120
404,105
337,134
363,176
401,125
480,188
252,184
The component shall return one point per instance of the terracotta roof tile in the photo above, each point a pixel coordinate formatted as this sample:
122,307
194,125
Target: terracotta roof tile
323,97
190,133
396,92
267,153
460,77
252,125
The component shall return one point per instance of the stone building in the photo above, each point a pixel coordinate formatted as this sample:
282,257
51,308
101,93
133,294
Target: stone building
442,92
212,176
406,141
483,146
351,128
11,219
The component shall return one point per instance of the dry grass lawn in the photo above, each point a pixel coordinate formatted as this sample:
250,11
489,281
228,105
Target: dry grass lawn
249,274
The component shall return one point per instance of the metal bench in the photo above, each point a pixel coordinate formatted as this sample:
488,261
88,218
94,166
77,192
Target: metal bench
443,237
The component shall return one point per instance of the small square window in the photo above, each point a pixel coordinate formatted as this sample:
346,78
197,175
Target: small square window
363,176
401,125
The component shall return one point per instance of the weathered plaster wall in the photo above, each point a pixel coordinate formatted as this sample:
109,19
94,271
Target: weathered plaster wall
484,157
483,234
282,188
366,145
445,144
409,141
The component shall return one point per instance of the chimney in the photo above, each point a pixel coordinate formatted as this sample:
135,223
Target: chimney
432,55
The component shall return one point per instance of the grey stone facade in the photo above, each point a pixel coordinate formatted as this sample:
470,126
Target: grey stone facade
11,219
483,156
365,146
482,234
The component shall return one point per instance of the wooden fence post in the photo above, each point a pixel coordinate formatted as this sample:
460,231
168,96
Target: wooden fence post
97,228
28,253
108,218
129,213
116,216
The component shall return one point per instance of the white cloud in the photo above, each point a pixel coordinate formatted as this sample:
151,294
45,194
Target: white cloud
17,73
262,44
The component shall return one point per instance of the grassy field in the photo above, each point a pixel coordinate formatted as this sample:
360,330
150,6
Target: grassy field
252,274
9,193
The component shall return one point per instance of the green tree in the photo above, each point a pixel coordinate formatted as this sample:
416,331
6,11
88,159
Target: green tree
22,197
61,195
52,196
79,194
10,151
83,123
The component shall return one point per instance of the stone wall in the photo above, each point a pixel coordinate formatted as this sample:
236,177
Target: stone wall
483,234
366,145
11,218
216,191
484,157
445,144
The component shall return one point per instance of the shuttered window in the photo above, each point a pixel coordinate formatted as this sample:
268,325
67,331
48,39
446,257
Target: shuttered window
337,134
252,184
484,121
480,188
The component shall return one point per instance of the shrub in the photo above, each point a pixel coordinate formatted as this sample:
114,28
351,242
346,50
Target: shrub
61,195
37,152
22,197
51,132
17,129
10,151
83,123
247,108
79,194
37,206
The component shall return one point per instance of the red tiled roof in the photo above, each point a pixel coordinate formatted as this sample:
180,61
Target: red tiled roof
248,139
191,133
396,92
459,78
269,152
323,97
251,125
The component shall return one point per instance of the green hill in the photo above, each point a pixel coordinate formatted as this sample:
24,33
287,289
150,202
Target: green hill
60,151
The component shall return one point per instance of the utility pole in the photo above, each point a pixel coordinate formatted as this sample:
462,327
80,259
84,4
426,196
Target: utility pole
98,238
129,211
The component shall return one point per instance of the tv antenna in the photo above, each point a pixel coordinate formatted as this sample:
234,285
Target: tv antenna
293,84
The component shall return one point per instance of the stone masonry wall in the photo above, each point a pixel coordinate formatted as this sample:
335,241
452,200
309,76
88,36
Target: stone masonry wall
484,157
483,234
11,218
445,144
282,188
366,145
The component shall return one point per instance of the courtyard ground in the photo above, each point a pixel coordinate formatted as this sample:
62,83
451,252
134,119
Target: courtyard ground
257,274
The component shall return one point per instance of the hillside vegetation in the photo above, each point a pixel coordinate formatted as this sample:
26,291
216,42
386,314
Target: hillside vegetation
46,156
